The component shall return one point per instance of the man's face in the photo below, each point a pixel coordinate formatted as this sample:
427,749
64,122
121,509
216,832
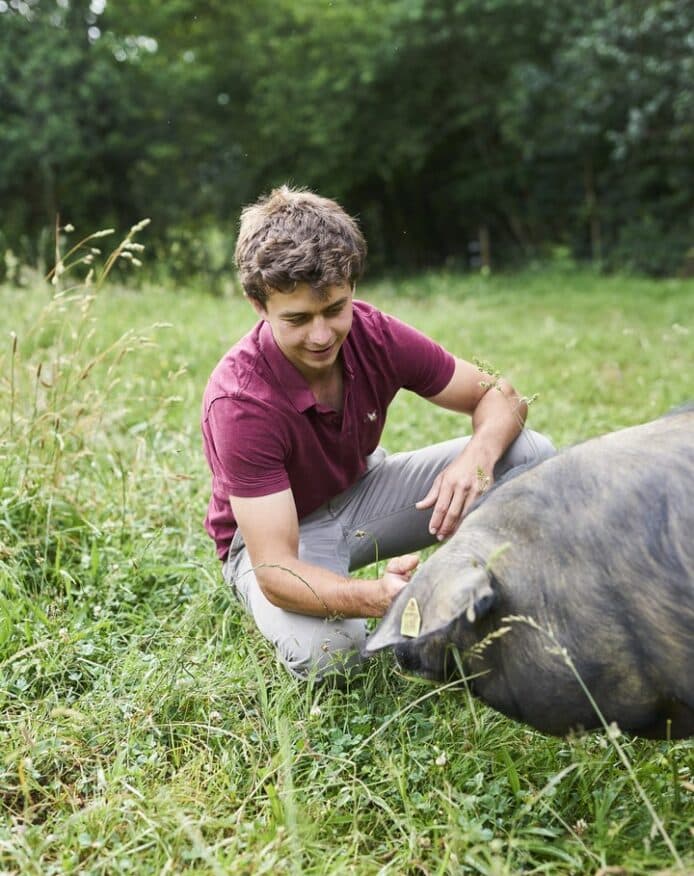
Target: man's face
310,329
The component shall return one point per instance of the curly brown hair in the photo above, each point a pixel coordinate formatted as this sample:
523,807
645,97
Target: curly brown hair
294,236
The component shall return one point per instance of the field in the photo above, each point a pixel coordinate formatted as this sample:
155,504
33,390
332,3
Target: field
146,727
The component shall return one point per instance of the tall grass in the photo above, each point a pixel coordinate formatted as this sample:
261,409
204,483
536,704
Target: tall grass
146,726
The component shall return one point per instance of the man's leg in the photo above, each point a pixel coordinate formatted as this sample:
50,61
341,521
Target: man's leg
374,519
378,515
307,646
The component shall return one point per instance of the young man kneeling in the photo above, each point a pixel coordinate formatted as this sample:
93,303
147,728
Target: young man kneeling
302,493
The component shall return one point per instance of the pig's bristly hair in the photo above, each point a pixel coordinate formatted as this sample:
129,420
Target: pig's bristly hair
601,555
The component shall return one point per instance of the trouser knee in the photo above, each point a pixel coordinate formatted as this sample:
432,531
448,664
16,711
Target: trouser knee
529,448
541,447
333,648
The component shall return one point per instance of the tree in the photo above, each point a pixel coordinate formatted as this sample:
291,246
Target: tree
612,109
433,120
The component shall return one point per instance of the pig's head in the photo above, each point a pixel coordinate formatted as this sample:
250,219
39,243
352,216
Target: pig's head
441,610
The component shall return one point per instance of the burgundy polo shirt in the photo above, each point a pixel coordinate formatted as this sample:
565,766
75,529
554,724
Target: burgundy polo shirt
264,432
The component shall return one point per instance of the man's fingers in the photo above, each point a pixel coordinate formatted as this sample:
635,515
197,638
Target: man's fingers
453,514
430,497
443,502
450,503
403,565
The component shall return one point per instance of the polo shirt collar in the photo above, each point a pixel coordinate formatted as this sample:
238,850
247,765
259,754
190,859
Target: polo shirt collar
348,363
289,377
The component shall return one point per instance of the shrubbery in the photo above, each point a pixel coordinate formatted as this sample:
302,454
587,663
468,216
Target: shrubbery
535,124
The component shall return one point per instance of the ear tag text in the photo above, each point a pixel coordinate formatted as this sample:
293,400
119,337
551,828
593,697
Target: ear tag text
411,620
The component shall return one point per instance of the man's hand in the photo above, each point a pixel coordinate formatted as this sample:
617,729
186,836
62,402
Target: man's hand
455,489
398,572
271,531
498,414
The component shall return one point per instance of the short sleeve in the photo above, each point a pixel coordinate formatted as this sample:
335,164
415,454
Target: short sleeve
247,448
422,365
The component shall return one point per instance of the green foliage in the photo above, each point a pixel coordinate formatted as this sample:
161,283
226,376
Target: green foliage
436,121
65,124
146,726
613,98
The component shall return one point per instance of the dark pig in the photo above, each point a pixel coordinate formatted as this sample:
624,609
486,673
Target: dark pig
587,558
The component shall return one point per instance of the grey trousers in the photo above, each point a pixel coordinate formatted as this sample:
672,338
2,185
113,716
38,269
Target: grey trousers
374,519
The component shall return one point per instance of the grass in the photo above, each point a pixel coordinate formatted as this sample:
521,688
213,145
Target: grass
147,728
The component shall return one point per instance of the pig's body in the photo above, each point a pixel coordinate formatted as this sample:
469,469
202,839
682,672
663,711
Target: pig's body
595,545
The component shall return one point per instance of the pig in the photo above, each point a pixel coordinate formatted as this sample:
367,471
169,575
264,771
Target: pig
582,565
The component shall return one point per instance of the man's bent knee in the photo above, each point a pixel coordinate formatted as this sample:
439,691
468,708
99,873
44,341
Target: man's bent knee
529,447
541,447
333,649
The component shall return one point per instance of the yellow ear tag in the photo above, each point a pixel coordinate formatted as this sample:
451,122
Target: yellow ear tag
411,620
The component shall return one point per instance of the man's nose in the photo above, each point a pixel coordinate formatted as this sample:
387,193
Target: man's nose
321,333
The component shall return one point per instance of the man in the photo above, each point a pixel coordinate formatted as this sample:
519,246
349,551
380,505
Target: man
292,416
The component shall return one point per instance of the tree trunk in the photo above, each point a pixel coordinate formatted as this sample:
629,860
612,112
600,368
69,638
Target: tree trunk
485,248
592,211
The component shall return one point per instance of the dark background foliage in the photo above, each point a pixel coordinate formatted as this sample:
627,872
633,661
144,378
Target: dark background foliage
515,127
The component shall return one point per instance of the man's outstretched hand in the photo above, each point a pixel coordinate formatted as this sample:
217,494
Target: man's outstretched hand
398,572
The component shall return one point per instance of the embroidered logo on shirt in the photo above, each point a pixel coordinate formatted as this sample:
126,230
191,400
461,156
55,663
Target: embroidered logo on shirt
371,416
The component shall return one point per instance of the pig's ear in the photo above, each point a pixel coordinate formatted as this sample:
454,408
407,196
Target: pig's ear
481,598
468,594
426,607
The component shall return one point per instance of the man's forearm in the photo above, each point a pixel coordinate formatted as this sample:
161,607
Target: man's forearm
498,419
307,589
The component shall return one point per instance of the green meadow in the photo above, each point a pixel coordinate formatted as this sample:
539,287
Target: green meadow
147,729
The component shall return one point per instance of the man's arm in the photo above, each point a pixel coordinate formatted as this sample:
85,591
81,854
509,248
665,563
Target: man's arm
270,529
498,414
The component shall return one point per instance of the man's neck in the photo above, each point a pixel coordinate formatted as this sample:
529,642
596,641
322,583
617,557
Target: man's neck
328,388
